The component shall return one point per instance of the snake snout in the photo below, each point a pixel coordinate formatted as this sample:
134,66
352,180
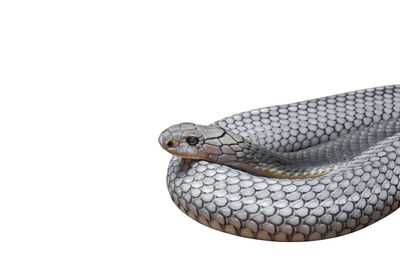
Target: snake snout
165,140
171,137
184,140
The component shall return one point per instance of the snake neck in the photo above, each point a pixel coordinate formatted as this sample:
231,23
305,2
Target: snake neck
260,161
233,150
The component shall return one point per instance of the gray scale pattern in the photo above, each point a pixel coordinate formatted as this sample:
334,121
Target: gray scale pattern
364,189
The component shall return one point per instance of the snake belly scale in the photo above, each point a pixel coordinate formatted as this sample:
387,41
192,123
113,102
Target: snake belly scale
304,171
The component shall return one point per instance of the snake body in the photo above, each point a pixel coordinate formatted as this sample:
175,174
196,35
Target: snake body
310,170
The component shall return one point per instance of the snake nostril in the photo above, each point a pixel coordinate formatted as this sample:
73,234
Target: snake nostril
169,144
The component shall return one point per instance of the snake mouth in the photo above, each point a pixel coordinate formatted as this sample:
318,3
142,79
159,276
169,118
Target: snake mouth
170,144
183,155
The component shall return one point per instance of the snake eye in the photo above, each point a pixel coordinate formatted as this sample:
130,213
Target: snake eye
192,141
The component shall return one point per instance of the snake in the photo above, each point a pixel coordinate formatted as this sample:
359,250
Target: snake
304,171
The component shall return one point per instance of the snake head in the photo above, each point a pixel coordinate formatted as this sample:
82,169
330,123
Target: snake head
202,142
186,139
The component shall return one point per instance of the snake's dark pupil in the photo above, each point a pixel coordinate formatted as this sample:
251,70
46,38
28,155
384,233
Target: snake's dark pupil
192,141
169,144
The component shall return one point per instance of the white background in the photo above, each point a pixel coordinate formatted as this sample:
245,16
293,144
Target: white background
87,86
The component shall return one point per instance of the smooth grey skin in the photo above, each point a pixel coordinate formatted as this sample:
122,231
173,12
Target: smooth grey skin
304,171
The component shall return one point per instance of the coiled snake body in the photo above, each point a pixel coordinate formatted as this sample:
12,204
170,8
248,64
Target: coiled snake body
304,171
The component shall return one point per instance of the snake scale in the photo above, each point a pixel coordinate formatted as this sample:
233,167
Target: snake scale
304,171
